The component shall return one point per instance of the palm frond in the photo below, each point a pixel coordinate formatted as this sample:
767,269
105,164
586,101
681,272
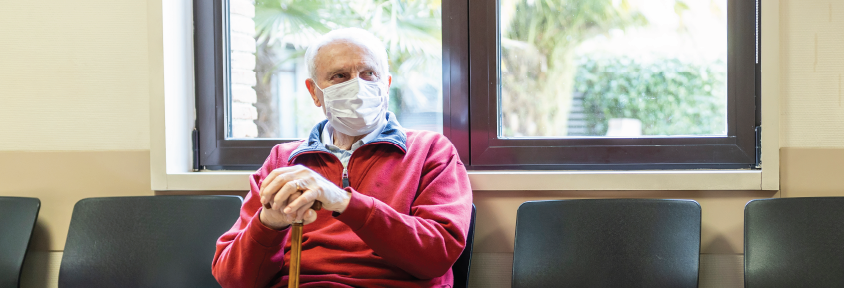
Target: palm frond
289,21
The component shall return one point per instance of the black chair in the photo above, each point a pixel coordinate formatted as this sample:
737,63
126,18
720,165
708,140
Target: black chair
152,241
607,243
17,219
794,242
460,269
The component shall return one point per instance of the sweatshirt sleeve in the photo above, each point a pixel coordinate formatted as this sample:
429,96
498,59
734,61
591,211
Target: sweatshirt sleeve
427,242
250,254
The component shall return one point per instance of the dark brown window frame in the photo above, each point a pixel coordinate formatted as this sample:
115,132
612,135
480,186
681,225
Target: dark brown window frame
470,80
211,58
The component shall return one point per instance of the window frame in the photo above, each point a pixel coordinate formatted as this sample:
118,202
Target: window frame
735,151
470,130
213,93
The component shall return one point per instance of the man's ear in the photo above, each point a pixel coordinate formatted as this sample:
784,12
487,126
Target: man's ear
389,81
312,89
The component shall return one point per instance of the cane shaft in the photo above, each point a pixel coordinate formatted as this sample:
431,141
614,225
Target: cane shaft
296,250
295,254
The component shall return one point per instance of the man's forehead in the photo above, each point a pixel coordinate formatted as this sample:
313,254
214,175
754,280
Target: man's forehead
343,54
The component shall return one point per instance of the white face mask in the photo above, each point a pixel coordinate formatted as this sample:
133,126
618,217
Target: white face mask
355,107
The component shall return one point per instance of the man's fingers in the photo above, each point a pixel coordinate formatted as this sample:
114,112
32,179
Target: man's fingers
307,182
275,186
277,203
300,213
270,177
304,185
277,183
277,172
280,177
281,200
265,194
310,216
288,192
307,198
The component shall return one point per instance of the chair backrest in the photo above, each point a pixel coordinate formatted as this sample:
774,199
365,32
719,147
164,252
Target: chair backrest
460,269
794,242
607,243
152,241
17,219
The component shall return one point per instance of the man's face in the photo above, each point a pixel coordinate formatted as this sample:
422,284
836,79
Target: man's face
341,61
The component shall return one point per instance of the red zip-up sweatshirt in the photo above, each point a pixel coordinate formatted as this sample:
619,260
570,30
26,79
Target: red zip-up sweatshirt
405,225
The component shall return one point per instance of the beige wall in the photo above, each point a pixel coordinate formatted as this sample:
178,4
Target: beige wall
74,108
74,75
812,50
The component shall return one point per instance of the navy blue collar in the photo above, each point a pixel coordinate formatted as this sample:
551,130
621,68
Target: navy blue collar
393,134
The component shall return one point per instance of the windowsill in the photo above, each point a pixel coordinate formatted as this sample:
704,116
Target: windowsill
529,180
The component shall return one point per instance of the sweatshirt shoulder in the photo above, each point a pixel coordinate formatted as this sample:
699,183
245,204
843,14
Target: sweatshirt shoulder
427,137
280,152
433,142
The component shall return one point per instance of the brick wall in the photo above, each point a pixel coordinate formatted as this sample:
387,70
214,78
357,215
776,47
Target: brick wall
243,78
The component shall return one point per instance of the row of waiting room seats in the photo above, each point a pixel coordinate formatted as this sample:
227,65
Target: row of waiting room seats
168,241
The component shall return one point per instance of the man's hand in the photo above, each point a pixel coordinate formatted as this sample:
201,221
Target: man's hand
291,191
275,219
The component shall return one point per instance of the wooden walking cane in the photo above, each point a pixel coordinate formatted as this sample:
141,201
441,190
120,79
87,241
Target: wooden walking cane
296,249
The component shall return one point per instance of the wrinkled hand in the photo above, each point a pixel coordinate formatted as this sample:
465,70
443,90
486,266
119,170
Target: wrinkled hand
273,217
291,191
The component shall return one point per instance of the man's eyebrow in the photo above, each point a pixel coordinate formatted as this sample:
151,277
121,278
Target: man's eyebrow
335,71
367,65
340,70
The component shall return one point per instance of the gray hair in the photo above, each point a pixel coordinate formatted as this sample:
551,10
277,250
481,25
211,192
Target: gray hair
358,36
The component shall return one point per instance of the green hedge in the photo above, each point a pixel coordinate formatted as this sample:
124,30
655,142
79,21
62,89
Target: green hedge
669,96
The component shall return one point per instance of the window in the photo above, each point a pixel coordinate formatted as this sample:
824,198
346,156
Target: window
517,84
263,100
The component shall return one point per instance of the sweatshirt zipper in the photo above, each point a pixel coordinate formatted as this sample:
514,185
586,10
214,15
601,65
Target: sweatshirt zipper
346,169
345,177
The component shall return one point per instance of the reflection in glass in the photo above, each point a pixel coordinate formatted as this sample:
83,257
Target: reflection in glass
281,32
612,68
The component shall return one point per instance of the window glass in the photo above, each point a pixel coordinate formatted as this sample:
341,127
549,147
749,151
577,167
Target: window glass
269,98
612,68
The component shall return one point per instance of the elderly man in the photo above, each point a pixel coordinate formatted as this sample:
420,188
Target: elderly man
396,202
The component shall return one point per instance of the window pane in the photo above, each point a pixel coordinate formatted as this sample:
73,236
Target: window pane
268,40
613,68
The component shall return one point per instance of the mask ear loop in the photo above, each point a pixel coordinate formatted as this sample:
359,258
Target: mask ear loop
386,97
317,87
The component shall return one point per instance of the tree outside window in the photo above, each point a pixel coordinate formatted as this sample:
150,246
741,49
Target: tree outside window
569,68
